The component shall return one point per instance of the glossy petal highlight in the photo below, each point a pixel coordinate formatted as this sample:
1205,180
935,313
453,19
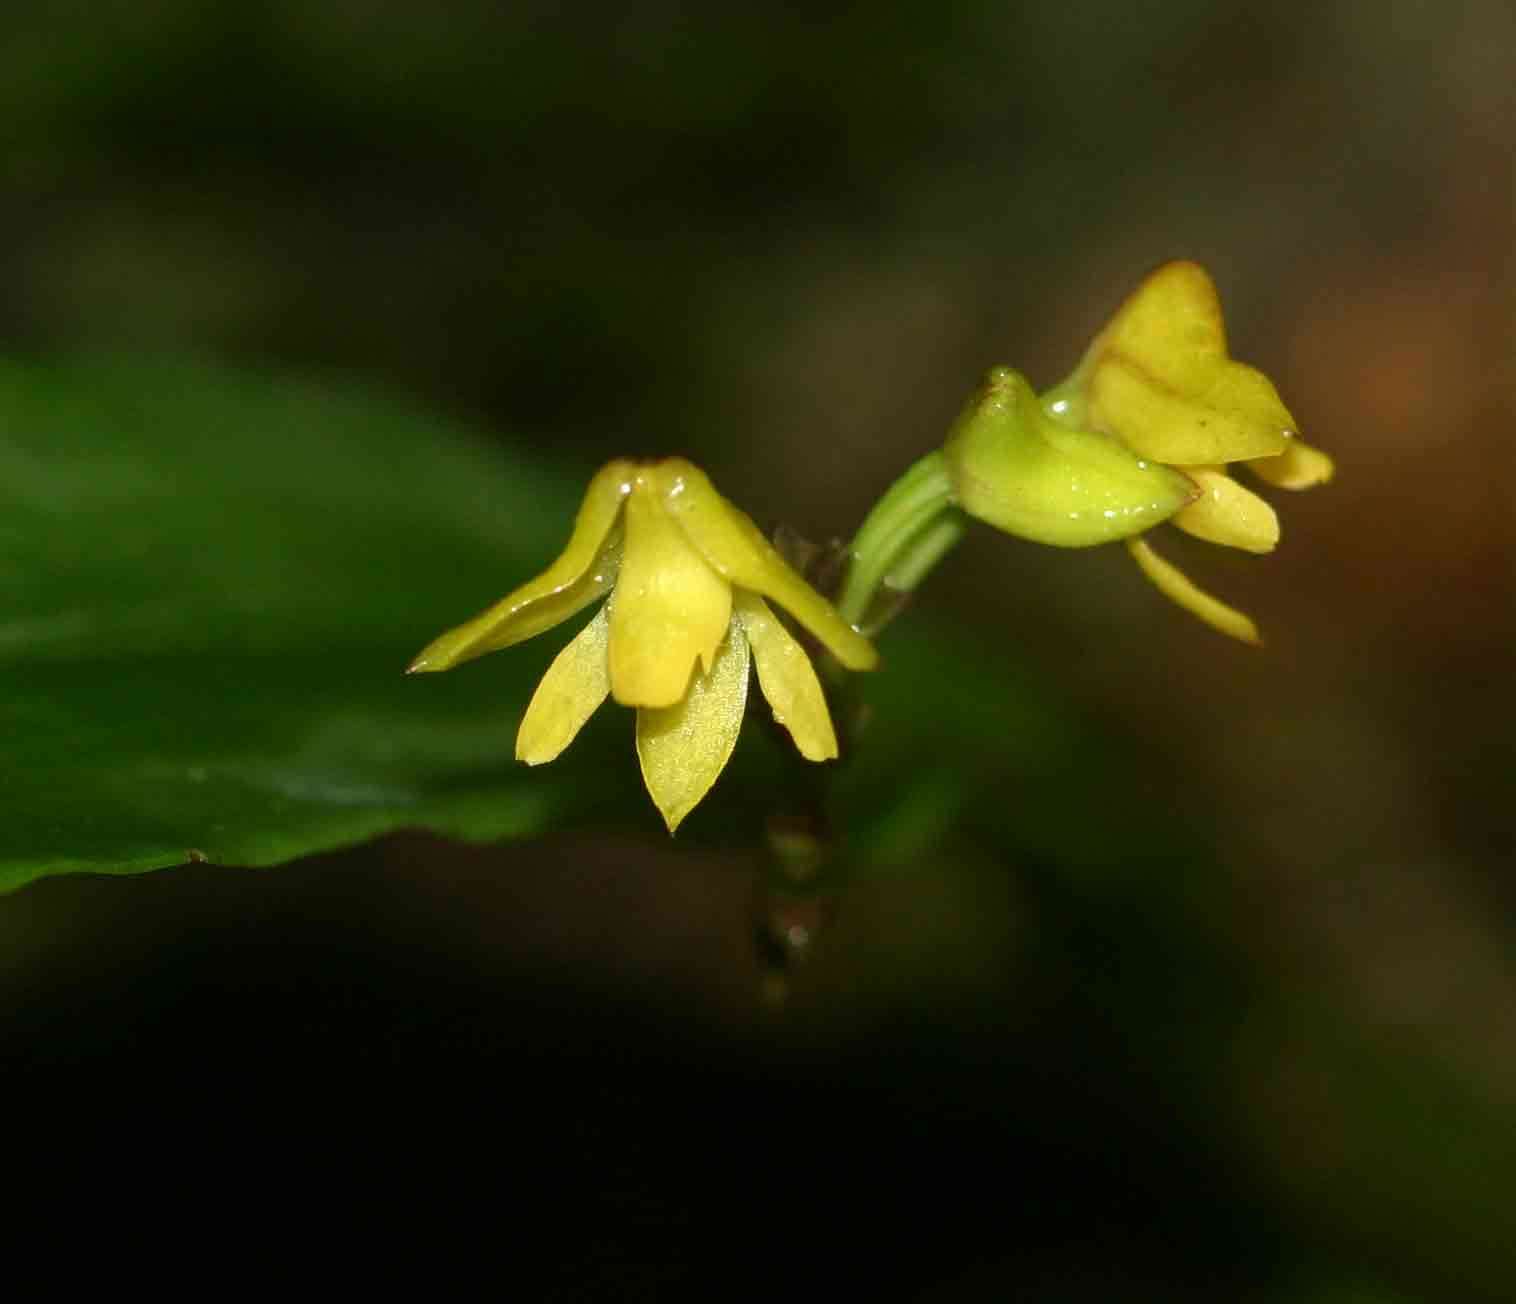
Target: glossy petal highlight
736,548
1228,514
575,685
684,747
1175,585
670,611
585,570
788,680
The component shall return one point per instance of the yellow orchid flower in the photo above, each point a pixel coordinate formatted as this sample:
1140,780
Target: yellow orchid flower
687,575
1158,378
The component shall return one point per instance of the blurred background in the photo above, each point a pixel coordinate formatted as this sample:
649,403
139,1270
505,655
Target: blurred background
786,242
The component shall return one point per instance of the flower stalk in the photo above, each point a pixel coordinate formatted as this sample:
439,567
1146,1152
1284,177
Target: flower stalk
906,533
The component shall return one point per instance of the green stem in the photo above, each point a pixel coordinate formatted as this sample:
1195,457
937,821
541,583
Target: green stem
926,548
908,532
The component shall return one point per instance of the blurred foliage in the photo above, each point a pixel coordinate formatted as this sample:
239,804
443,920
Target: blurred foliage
214,583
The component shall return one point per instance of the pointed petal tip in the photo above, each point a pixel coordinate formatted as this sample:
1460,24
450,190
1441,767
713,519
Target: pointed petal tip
532,759
862,655
1175,585
436,655
673,814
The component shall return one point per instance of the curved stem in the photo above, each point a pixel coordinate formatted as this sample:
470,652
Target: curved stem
902,537
925,549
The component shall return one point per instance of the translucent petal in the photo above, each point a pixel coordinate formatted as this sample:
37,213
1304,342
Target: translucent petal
683,748
670,610
1299,467
1228,514
1158,377
736,548
788,679
585,570
1175,585
574,686
1021,470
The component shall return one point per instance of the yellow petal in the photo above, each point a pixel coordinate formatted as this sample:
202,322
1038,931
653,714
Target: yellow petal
1021,470
585,570
1228,514
1158,377
736,548
788,679
1175,585
670,610
683,748
574,686
1299,467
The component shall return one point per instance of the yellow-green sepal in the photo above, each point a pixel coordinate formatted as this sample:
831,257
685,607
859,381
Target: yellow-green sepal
1015,467
683,748
575,685
788,679
1300,466
1158,378
1175,585
1227,513
585,570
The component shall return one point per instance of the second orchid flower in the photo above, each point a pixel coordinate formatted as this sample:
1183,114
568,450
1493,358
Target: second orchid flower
1144,431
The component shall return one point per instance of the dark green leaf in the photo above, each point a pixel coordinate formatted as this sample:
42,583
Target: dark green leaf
210,585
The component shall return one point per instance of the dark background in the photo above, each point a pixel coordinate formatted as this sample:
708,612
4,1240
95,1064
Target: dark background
786,242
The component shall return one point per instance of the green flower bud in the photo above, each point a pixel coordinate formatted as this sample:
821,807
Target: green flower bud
1016,468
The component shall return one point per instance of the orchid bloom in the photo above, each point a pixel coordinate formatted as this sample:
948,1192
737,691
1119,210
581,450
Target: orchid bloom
687,575
1144,431
1158,379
